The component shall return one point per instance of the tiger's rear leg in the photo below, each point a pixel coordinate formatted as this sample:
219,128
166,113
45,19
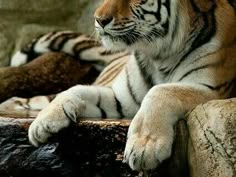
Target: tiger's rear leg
49,74
85,59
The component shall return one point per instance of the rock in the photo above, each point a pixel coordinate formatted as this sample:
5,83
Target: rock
87,149
207,148
212,142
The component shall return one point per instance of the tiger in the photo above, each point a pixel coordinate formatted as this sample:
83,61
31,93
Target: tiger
81,47
182,54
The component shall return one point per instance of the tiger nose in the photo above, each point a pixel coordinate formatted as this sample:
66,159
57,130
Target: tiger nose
103,21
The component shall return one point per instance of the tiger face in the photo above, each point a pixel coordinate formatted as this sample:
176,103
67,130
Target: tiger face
134,24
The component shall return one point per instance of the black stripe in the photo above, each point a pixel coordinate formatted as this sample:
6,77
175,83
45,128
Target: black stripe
68,115
128,39
168,7
84,45
199,8
78,51
207,32
52,46
204,35
120,28
147,78
158,14
131,89
230,89
196,69
119,107
165,26
58,42
106,52
50,35
103,113
227,89
64,40
218,87
176,26
137,15
194,5
29,49
233,91
232,3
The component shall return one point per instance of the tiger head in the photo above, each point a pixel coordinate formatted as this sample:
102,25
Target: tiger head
135,24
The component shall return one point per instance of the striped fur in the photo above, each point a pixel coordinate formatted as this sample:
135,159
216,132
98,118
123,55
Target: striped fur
183,54
82,47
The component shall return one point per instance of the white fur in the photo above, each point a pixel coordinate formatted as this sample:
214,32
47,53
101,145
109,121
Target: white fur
151,5
18,59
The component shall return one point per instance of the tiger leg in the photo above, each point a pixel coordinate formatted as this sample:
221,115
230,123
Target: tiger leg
79,101
117,101
151,132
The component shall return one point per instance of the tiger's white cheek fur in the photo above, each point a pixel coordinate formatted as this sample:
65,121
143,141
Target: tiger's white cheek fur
151,5
150,18
112,45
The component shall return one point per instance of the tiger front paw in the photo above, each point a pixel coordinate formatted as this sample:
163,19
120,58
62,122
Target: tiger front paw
147,145
56,116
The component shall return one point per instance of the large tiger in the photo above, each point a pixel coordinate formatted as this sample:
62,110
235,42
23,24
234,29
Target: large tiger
183,54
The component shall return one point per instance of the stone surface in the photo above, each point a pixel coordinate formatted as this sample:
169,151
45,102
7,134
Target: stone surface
88,149
95,148
212,143
21,21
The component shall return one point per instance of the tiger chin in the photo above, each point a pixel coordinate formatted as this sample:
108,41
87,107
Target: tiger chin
183,54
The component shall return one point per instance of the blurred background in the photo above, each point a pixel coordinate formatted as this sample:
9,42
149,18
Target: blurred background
22,20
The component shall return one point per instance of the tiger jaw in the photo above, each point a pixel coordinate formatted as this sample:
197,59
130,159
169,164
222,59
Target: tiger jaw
110,40
118,41
112,44
121,43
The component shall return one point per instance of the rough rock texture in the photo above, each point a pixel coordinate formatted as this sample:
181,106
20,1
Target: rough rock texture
89,149
212,142
21,21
